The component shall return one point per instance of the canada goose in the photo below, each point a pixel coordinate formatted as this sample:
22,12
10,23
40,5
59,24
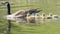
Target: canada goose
9,13
49,16
43,16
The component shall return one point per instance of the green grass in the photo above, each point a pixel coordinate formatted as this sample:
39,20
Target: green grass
52,27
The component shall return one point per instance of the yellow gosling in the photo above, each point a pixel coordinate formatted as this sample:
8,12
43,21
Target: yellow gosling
49,16
36,17
43,17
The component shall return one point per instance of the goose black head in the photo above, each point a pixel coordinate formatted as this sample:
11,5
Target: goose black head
5,3
8,6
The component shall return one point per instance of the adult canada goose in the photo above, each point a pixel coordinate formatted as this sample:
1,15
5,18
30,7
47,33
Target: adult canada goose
9,13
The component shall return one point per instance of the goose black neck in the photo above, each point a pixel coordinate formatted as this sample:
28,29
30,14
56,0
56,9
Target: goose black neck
8,8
